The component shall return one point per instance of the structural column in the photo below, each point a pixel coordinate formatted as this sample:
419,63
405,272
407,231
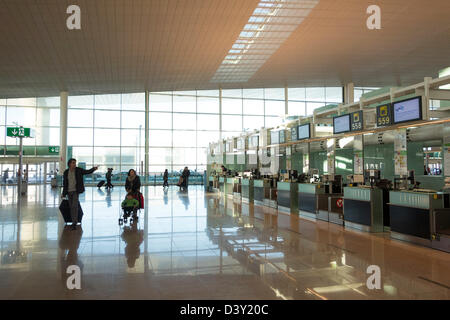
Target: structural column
220,114
146,159
63,98
349,94
286,104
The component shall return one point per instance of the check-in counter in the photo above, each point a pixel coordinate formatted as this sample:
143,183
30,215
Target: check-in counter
308,199
222,185
229,187
363,208
260,187
271,196
329,207
213,185
247,190
440,239
287,199
411,215
237,189
322,206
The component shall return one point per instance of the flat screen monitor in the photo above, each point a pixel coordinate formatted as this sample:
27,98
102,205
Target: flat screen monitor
294,135
282,136
407,110
341,124
274,137
303,131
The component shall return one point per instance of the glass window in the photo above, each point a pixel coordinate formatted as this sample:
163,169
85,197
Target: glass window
229,134
275,108
272,122
315,94
160,138
22,102
158,169
334,94
107,119
46,136
2,116
2,137
48,102
204,138
185,93
130,137
208,93
357,93
82,154
47,117
255,107
131,158
207,122
232,93
160,120
132,119
158,102
160,156
107,137
207,105
253,93
298,94
80,137
297,108
231,106
80,118
274,93
133,101
107,101
184,104
231,123
253,122
106,155
184,156
184,138
22,116
81,102
311,106
184,121
201,158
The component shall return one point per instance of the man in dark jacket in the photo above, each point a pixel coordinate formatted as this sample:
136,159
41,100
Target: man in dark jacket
73,185
166,179
186,173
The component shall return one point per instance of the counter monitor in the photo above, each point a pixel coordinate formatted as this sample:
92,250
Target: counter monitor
407,110
384,115
304,131
341,124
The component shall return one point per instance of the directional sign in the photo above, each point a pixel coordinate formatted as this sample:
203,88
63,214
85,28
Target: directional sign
17,132
54,149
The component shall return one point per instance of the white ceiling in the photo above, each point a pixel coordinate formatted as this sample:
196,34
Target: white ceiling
160,45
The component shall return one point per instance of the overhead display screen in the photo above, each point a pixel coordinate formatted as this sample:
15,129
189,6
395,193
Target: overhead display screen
294,135
282,136
356,120
407,110
341,124
384,115
274,137
303,132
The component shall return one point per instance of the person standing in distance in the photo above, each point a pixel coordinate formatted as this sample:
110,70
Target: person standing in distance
73,185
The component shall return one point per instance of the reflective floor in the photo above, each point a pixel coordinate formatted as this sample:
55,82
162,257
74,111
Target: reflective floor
200,246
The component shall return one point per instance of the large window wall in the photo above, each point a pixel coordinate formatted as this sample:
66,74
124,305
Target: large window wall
109,130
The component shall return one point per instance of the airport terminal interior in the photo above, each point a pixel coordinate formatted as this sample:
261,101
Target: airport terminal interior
306,143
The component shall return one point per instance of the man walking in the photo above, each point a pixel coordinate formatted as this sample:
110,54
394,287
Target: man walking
74,185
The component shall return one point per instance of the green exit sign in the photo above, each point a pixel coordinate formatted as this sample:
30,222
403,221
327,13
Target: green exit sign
53,149
17,132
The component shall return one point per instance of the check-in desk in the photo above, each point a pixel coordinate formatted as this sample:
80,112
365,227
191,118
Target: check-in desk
363,209
229,187
213,185
271,195
247,190
308,199
287,198
412,215
260,187
237,189
440,239
330,207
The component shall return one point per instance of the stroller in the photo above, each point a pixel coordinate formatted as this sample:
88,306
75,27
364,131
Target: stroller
125,214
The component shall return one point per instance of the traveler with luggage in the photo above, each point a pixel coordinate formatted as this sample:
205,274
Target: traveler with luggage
108,179
185,179
166,179
73,185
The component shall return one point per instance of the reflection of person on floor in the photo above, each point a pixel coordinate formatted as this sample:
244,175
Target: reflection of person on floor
69,243
108,198
166,198
133,239
185,199
5,175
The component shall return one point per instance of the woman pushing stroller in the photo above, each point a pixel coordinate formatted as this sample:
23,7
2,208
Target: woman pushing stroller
134,199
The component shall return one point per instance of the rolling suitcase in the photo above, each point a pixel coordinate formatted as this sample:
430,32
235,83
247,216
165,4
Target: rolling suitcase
64,208
54,183
100,184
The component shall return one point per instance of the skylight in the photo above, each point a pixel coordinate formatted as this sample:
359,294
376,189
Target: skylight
271,23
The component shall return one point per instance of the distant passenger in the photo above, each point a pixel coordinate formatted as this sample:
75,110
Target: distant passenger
186,173
108,179
73,185
166,179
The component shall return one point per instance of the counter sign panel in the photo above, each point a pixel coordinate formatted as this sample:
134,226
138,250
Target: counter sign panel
294,136
384,115
356,120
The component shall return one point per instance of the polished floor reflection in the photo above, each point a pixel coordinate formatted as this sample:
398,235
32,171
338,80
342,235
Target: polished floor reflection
200,246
